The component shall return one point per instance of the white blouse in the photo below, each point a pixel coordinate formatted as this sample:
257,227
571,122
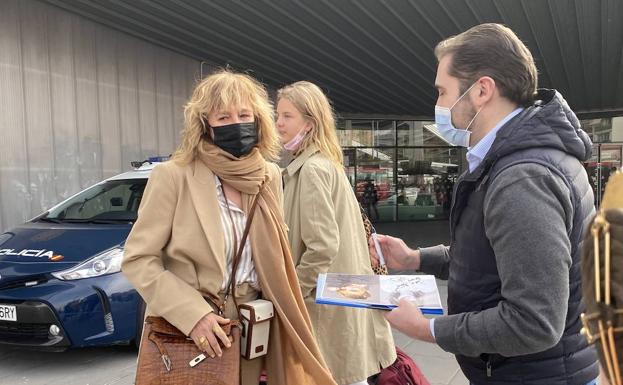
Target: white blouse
246,270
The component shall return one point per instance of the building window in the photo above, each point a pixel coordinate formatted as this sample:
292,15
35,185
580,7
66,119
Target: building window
604,130
399,170
366,133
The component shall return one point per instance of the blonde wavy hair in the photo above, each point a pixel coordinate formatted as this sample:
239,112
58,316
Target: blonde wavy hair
310,101
222,90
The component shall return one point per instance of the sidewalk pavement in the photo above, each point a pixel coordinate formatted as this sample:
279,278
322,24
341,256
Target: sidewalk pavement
439,367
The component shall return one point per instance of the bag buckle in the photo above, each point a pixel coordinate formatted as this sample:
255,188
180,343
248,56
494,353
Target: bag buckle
167,362
195,361
586,328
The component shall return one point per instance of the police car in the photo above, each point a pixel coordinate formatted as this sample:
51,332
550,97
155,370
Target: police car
61,284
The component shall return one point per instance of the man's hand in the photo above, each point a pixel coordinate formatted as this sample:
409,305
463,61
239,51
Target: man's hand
408,319
398,256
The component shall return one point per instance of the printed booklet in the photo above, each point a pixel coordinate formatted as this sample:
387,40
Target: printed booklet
379,291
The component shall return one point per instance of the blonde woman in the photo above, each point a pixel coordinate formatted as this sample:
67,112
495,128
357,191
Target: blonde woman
193,210
327,234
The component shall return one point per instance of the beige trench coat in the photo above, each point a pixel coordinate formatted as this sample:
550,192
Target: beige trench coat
327,235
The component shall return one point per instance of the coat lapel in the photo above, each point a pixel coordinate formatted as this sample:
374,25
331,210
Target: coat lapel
298,162
203,194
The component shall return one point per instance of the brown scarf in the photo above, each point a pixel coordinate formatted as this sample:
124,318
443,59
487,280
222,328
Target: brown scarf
293,356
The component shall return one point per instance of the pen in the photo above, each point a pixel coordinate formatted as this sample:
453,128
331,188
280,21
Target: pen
377,247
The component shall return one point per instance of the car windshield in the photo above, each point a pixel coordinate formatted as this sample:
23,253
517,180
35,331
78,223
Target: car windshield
113,201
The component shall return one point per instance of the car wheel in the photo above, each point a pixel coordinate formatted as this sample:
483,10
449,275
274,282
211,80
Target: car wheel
140,321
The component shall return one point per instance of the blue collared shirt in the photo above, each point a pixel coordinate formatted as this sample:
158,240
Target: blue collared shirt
476,154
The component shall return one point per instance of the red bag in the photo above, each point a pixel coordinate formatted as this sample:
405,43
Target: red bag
402,372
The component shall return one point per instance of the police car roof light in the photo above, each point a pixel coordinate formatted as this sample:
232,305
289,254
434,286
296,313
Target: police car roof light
151,159
155,159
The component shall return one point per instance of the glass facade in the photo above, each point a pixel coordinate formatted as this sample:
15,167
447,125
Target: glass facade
607,137
401,171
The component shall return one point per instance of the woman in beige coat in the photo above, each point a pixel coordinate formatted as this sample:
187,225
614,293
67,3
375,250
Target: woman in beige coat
327,234
192,213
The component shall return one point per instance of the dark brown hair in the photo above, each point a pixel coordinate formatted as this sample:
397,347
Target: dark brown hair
492,50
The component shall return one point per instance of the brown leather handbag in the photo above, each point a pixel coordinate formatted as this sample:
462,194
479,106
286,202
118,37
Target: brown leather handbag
166,354
168,357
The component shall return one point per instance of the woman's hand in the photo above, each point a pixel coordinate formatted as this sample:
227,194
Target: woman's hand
207,333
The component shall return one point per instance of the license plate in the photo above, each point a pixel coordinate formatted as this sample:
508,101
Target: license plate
8,313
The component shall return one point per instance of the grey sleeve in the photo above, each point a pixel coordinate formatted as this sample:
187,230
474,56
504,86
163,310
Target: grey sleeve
528,211
435,260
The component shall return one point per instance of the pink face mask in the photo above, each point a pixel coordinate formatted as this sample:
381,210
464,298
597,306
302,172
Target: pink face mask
295,142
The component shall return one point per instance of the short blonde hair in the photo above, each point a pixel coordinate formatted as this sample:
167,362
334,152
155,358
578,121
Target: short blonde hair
221,90
310,101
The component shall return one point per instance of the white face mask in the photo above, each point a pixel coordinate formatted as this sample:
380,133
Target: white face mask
443,124
295,142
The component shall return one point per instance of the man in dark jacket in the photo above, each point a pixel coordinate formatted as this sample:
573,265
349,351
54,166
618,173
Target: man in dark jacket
517,219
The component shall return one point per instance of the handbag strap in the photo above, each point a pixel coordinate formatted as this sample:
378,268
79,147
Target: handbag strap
367,224
239,248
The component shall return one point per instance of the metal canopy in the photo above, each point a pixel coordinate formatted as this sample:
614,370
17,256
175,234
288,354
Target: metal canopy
376,56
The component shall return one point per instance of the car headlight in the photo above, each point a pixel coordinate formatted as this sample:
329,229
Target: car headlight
108,262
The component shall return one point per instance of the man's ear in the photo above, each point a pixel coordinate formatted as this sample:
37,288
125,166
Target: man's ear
486,90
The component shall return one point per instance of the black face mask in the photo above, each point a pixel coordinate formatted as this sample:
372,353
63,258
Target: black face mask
237,139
